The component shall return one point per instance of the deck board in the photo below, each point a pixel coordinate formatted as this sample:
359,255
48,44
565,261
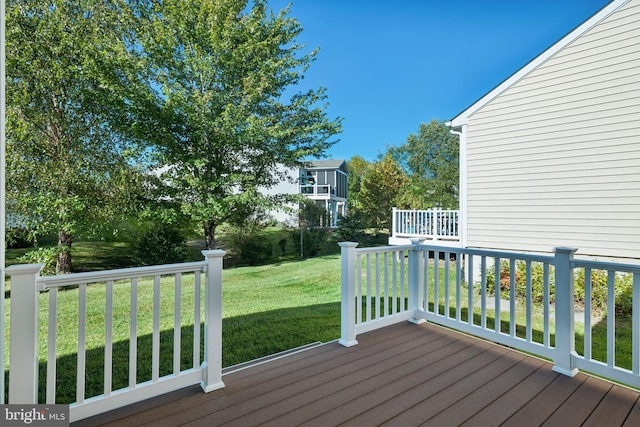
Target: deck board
404,374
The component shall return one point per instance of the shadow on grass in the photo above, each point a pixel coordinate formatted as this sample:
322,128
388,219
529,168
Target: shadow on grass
244,338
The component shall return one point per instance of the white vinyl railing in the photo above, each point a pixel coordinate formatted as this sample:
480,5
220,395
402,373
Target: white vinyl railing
119,287
377,281
533,296
432,224
316,190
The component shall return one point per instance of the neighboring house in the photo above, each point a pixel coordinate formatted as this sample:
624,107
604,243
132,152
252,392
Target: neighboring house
324,181
551,156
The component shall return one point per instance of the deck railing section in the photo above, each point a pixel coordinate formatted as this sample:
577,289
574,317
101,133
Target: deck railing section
26,284
379,288
533,296
619,285
432,224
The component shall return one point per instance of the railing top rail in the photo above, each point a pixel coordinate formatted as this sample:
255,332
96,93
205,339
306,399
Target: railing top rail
428,210
469,251
46,282
604,265
381,249
488,253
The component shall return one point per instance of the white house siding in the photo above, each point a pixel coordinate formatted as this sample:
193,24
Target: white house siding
555,159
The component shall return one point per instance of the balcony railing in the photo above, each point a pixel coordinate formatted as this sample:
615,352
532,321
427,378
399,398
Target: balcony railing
317,190
432,224
118,287
534,296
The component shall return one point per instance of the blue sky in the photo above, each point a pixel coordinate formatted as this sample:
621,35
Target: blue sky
390,65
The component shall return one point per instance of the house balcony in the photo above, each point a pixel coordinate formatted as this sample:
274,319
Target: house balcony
437,226
399,360
319,191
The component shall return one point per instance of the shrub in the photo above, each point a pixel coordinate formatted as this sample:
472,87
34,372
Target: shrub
282,243
161,245
312,243
537,280
623,285
47,256
350,228
18,237
254,249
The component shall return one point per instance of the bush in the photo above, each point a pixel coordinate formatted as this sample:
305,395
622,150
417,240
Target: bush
313,241
18,237
46,256
247,244
623,285
350,228
254,249
161,245
537,280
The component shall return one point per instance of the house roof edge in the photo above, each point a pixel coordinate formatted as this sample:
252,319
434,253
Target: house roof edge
614,5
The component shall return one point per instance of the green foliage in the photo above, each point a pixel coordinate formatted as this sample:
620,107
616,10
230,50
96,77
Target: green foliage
351,228
311,214
71,72
537,280
358,167
160,245
19,237
431,160
220,119
250,245
381,187
282,244
313,242
623,285
46,256
255,250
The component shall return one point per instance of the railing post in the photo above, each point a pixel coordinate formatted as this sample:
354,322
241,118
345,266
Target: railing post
348,299
23,358
414,279
212,365
565,338
434,222
394,222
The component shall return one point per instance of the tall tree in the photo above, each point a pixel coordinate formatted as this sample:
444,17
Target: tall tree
358,166
381,187
223,122
68,66
431,159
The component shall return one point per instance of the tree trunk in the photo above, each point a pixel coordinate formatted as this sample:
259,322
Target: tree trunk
63,263
209,234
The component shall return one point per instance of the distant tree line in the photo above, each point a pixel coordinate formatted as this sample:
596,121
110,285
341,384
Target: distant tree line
422,173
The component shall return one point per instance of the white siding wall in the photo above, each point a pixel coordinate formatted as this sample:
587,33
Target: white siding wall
555,159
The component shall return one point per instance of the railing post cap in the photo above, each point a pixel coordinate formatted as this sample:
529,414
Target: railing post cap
24,269
416,240
564,250
213,253
348,244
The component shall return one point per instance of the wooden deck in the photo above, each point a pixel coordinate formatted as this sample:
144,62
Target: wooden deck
402,375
